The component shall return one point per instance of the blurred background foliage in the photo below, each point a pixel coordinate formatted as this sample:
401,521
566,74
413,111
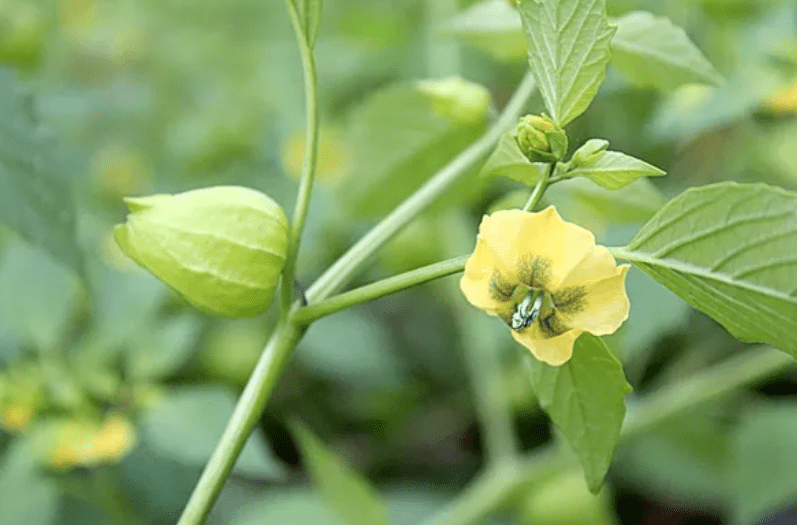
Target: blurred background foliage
113,392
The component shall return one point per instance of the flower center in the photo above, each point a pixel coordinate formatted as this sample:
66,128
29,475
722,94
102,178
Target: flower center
528,310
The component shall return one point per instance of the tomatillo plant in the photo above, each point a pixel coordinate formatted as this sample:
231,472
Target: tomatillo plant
224,248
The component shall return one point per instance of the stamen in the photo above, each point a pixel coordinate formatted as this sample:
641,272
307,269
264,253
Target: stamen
527,311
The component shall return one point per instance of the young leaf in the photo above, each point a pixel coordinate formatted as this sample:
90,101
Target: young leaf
355,501
613,170
568,44
584,398
35,192
651,51
508,161
492,26
729,250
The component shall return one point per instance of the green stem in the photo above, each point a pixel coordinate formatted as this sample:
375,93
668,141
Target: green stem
246,413
366,293
342,270
539,189
308,163
498,485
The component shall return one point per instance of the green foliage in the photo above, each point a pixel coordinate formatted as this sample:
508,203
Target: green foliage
610,169
508,161
631,204
401,139
762,472
584,398
491,25
342,489
568,43
729,250
188,421
35,190
652,52
27,495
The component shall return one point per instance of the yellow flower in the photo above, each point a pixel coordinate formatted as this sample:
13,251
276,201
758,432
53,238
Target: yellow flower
546,279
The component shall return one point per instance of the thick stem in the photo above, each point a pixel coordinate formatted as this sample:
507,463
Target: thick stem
496,486
308,163
379,289
342,270
250,405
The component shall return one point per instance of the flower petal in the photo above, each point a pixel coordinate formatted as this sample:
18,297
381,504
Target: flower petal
477,282
596,265
555,351
605,305
517,237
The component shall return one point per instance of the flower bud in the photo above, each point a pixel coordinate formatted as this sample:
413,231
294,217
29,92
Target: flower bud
540,139
221,248
459,100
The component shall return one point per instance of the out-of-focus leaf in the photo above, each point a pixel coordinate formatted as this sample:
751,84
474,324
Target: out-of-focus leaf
492,26
613,170
695,109
295,506
686,459
729,250
26,495
344,490
584,398
188,422
651,51
158,484
352,348
162,349
508,161
401,139
568,43
590,205
565,499
765,462
35,192
36,296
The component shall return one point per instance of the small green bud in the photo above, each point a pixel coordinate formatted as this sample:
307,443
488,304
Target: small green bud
221,248
587,152
457,99
540,139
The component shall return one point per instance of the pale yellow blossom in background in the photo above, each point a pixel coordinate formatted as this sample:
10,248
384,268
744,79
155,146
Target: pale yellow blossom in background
546,279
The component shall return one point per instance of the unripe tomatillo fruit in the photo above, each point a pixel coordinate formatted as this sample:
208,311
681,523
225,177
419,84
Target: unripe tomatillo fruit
221,248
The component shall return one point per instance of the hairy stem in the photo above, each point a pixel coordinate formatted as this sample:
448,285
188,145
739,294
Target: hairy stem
539,189
342,270
308,162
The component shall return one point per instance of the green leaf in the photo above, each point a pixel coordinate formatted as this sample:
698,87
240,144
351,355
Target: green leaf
651,51
634,203
286,506
508,161
161,349
355,501
26,494
38,296
765,460
492,26
403,135
729,250
584,398
568,43
35,190
613,170
188,422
